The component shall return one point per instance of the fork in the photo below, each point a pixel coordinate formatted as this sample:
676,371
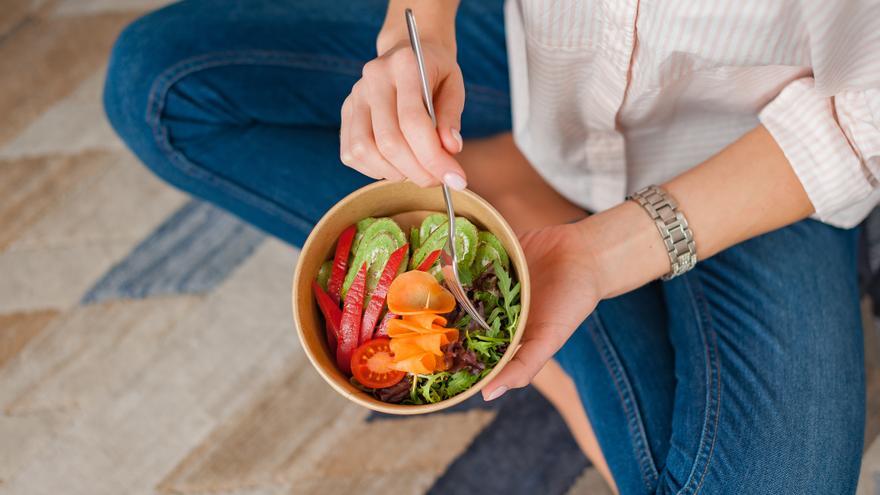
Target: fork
448,257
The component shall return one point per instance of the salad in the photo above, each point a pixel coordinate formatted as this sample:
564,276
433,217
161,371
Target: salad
395,330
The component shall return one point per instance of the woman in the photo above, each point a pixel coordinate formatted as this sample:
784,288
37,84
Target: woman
741,375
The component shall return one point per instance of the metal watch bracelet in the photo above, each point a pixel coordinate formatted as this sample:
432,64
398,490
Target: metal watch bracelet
677,236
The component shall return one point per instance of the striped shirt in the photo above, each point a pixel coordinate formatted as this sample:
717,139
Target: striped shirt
612,95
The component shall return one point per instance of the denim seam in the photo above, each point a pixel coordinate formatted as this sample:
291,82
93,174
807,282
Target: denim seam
647,468
171,76
709,433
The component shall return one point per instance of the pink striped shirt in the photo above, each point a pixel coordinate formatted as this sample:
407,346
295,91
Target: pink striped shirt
613,95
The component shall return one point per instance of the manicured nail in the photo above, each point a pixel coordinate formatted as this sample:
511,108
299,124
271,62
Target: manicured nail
454,181
457,136
497,393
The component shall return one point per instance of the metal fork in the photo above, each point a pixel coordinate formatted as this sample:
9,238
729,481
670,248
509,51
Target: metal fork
448,257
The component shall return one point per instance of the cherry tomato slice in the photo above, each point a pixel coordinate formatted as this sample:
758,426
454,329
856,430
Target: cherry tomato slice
371,364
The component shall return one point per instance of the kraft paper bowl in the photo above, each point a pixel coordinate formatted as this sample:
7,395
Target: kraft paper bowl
408,202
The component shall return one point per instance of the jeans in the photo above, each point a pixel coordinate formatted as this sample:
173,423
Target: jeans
743,376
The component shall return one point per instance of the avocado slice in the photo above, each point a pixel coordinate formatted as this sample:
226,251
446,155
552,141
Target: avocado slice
362,226
324,273
465,242
430,224
381,238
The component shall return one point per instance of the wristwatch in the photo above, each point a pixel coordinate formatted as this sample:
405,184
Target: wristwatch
677,236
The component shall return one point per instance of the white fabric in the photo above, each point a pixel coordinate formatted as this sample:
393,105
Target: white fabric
612,95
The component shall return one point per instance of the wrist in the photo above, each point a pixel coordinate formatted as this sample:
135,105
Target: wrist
436,23
393,37
624,249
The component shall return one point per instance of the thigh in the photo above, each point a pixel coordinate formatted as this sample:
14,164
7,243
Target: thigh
742,376
622,362
238,102
768,343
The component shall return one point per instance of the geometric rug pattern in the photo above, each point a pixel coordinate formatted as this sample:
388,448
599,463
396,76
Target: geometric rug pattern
146,338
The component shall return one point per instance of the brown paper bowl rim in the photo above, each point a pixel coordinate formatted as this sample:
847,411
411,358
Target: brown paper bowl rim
358,397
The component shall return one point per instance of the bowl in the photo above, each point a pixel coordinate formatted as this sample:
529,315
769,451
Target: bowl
401,200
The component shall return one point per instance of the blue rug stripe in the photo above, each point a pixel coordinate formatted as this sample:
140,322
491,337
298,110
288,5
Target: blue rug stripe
526,449
191,252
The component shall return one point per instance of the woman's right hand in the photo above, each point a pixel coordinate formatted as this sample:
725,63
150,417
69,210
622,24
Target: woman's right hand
386,132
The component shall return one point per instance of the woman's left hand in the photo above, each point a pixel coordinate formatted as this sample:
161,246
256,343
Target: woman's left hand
564,291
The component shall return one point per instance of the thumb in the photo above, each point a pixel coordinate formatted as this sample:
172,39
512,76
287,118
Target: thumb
448,105
528,361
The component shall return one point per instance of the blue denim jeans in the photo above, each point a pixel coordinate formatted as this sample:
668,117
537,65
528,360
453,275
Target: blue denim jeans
744,376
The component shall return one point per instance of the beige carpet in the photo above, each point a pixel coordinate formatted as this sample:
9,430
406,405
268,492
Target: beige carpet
168,384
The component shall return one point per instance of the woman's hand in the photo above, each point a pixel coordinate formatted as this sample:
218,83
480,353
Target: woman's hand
386,131
564,292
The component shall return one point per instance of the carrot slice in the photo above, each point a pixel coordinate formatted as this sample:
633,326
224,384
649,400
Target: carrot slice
450,334
416,292
402,346
426,319
400,328
405,348
421,364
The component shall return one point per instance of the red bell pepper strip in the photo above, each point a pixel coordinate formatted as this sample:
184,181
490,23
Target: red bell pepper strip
332,314
350,327
428,262
377,300
340,262
382,331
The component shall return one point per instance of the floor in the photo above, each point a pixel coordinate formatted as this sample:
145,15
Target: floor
146,342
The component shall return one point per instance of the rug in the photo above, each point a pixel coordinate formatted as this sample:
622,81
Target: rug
146,338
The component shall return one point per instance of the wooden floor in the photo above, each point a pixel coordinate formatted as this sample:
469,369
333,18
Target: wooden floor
146,341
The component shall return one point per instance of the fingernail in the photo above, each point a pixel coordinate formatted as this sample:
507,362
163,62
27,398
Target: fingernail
498,392
454,181
457,136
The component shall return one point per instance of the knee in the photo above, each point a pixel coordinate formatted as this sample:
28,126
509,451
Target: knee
144,53
133,66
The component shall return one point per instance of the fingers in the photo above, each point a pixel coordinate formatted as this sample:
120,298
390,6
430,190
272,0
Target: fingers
529,360
423,138
344,131
449,103
362,146
387,132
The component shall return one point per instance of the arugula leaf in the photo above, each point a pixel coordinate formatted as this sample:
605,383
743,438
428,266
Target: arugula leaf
495,314
412,392
459,382
487,338
511,325
484,349
434,389
489,300
503,279
509,295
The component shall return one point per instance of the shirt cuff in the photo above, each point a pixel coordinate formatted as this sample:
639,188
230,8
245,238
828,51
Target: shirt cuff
803,123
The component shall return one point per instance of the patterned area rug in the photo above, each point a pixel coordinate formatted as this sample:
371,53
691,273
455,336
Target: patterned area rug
146,341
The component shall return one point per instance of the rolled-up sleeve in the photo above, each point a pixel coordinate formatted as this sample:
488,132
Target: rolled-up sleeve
833,145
